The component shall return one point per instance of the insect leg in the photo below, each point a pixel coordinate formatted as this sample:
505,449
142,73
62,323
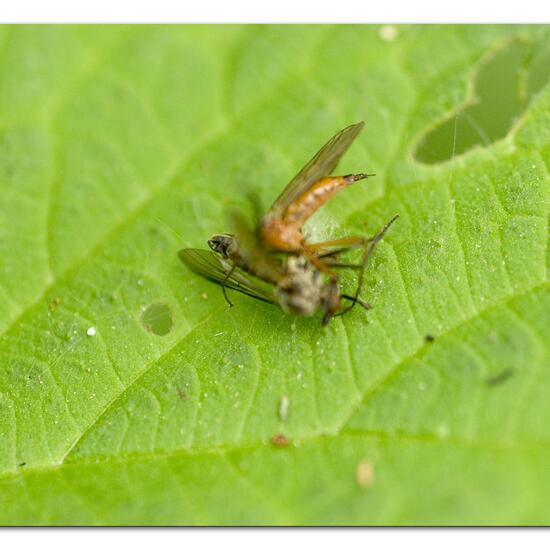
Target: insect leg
368,251
337,251
353,299
332,257
344,243
311,252
319,264
229,273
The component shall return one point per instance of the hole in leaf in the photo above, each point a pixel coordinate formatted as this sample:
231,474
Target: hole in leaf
503,88
157,318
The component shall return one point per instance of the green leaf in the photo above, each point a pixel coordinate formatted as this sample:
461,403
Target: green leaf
131,394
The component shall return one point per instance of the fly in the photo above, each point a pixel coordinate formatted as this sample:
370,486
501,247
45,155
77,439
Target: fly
303,281
300,288
259,263
281,228
293,283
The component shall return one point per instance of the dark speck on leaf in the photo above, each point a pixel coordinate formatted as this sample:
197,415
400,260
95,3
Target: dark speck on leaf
280,440
500,378
429,338
182,394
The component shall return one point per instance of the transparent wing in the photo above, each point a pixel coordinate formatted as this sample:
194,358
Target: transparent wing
321,165
213,267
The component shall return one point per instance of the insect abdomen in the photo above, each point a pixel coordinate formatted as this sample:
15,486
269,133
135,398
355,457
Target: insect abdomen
307,204
278,235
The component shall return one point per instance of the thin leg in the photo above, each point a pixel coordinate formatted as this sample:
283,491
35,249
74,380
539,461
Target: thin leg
319,264
347,242
229,273
343,250
368,251
313,252
366,305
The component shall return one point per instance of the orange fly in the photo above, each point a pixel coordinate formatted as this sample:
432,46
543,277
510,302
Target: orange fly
281,228
295,283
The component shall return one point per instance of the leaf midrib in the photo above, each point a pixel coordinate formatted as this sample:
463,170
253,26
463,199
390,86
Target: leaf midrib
375,436
374,387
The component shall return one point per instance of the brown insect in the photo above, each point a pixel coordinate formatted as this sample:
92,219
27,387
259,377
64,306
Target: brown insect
295,282
292,282
281,228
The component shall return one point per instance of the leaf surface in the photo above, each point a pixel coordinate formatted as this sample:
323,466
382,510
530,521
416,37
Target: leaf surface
131,394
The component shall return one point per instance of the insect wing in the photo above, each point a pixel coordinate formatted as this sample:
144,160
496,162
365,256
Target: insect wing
211,266
321,165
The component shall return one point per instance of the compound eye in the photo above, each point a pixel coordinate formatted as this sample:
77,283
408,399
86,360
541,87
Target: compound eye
214,244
